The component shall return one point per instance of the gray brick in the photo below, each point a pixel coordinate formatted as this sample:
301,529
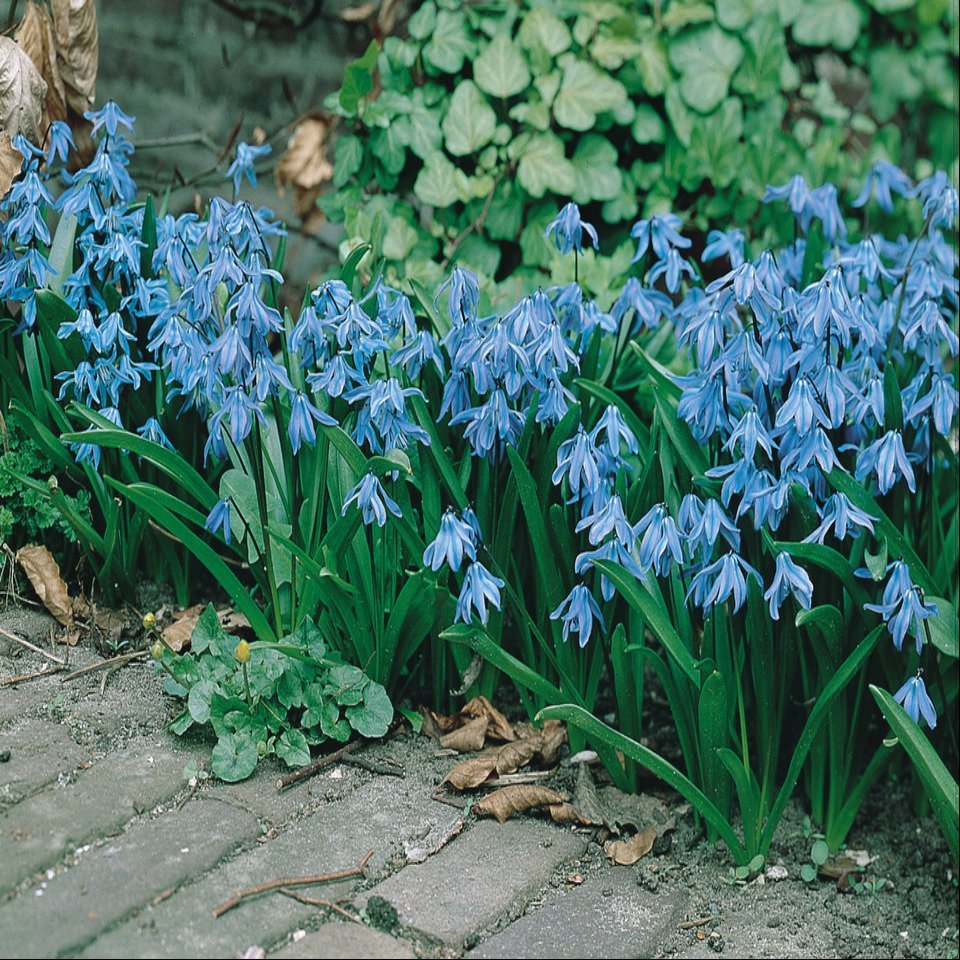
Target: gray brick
609,916
40,831
378,816
491,871
340,940
120,876
40,751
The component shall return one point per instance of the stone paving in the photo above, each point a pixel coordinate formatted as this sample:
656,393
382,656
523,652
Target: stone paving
107,851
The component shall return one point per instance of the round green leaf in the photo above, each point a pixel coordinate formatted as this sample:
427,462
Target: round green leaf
234,757
470,121
808,873
819,852
500,70
707,60
292,748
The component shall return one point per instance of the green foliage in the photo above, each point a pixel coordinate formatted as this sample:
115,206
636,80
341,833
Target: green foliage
27,514
264,699
474,134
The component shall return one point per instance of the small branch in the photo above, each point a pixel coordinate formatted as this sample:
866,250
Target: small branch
311,768
33,647
179,140
700,921
123,658
235,900
319,902
474,224
24,677
377,766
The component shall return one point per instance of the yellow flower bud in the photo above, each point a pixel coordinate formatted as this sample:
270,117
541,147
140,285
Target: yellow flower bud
149,621
156,651
242,651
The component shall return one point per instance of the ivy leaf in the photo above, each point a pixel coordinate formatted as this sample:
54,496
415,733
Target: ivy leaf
584,92
541,30
292,748
373,717
425,135
827,23
654,66
707,60
648,126
234,757
470,121
358,78
347,159
423,21
440,183
759,74
714,144
500,70
595,169
543,166
737,14
450,43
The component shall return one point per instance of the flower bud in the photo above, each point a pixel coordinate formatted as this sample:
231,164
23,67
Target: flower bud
242,651
149,621
156,651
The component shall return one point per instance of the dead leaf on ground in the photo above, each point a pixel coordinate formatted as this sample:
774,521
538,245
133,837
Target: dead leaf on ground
44,575
439,727
22,92
628,852
306,167
507,801
617,810
75,23
468,738
36,37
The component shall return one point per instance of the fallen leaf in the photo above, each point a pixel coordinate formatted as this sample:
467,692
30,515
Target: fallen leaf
471,773
35,35
361,13
468,738
499,727
178,633
75,22
507,801
568,813
628,852
44,575
22,92
306,167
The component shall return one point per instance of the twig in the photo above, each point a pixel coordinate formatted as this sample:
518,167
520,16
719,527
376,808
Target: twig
24,677
179,140
31,646
235,900
104,664
700,921
319,902
377,766
474,224
311,768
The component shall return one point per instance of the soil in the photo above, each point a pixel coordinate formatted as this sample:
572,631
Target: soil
911,911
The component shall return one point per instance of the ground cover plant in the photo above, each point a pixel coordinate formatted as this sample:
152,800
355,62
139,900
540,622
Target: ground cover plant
460,138
736,473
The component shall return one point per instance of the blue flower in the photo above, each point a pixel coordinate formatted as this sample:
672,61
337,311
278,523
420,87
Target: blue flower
723,579
902,608
568,230
480,587
242,165
788,579
886,457
660,545
883,179
578,612
110,118
219,519
577,460
453,541
840,515
371,500
660,232
302,415
915,700
724,243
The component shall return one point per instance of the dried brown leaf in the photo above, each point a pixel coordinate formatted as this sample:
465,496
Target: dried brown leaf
567,813
513,756
75,23
552,739
628,852
499,728
22,91
468,738
44,575
434,725
178,633
507,801
306,167
387,17
36,37
360,13
471,773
